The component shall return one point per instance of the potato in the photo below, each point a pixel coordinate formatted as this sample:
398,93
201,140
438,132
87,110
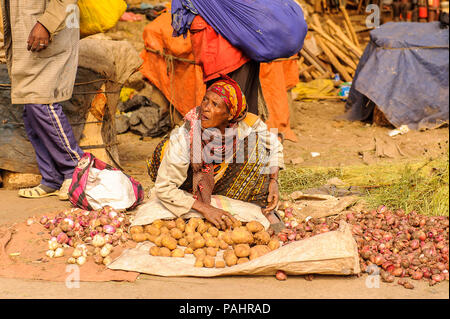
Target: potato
198,262
164,252
188,250
209,224
170,224
189,229
254,226
230,258
242,250
152,230
274,244
207,235
242,260
195,221
220,235
237,223
164,230
154,251
261,238
139,237
158,240
212,242
181,225
169,242
183,242
210,251
176,233
220,264
136,230
213,231
151,237
258,251
199,253
202,228
199,243
227,238
223,245
189,237
209,262
241,235
158,223
178,253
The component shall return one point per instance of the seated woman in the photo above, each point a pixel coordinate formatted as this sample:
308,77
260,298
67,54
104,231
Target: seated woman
219,150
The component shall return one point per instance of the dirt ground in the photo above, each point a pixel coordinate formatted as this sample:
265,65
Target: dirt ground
337,142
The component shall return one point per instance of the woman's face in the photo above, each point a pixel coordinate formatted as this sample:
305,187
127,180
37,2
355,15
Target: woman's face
214,112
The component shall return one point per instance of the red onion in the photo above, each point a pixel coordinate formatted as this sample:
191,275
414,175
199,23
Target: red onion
62,238
108,229
43,220
281,275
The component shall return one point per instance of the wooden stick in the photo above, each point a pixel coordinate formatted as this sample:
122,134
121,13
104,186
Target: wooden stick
307,69
341,55
340,34
322,97
341,69
305,73
322,33
347,30
311,60
318,6
350,25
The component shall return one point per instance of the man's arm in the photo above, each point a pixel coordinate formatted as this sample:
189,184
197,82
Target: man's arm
55,15
49,23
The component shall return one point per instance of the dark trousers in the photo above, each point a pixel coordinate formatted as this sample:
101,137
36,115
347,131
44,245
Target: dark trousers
57,152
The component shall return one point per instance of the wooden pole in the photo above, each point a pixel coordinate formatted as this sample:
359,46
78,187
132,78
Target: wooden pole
339,67
340,34
341,55
350,25
313,60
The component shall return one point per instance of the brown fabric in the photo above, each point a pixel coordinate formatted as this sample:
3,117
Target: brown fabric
41,77
247,76
32,263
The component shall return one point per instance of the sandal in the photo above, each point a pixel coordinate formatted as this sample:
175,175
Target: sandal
36,192
276,222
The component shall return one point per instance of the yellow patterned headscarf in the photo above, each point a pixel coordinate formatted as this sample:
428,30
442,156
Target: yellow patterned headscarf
231,93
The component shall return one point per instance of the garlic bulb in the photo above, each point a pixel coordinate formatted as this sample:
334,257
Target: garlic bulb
50,253
107,260
71,260
77,252
52,244
105,251
98,241
81,260
59,252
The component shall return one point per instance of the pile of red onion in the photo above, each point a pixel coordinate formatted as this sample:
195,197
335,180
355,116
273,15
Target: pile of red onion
401,245
77,226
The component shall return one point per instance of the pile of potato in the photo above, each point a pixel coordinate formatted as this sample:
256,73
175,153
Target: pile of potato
242,243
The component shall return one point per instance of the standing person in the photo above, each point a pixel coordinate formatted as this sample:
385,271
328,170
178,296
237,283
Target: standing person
216,55
42,59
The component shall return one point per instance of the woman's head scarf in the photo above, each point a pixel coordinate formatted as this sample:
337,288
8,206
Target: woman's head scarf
231,93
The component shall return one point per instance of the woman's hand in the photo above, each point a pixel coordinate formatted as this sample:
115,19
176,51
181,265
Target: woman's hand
38,38
218,217
273,197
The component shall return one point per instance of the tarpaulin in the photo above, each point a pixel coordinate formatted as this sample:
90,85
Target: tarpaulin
263,30
404,71
181,82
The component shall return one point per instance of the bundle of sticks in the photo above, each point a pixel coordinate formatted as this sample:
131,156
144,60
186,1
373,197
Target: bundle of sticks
330,49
